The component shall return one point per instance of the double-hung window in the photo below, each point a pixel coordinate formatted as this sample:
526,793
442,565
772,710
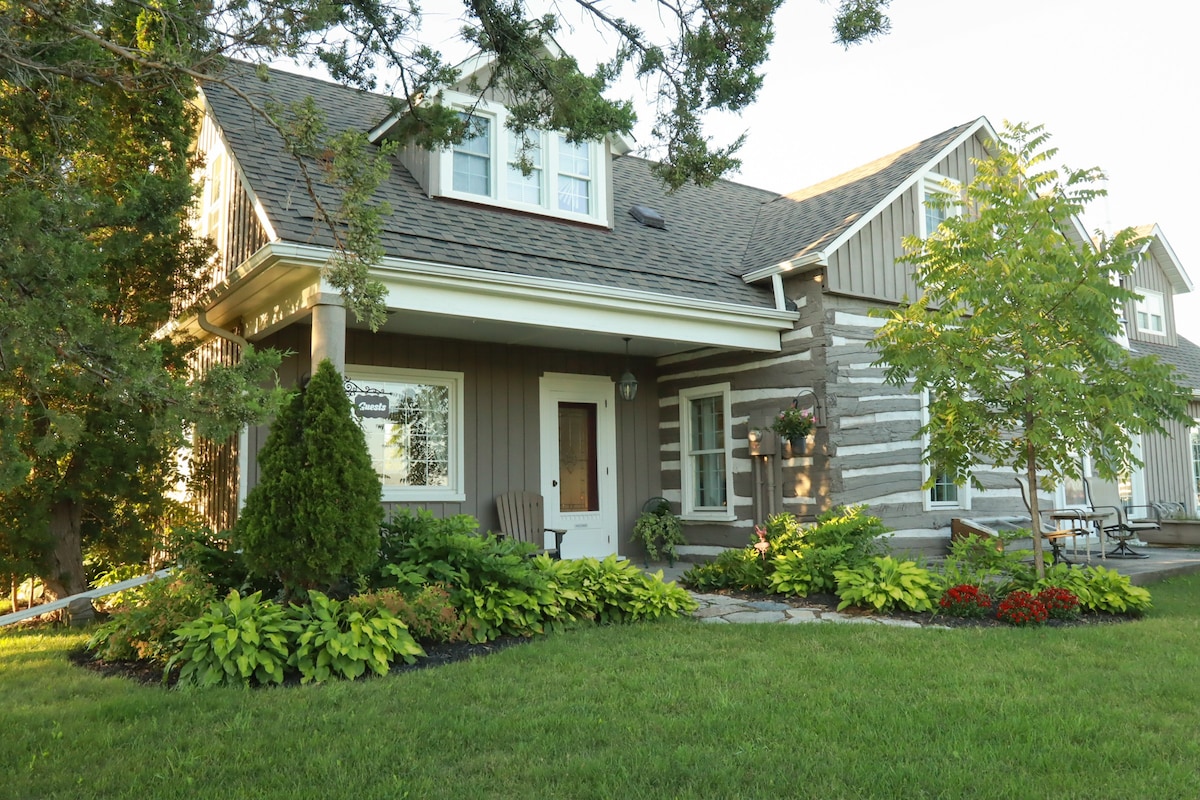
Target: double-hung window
939,203
473,157
943,492
538,172
413,421
705,458
1151,314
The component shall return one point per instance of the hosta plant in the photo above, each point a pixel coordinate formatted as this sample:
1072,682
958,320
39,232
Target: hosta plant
1021,608
236,641
337,640
966,600
885,583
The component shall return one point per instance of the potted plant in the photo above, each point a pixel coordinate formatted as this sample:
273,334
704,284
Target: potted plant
659,531
794,425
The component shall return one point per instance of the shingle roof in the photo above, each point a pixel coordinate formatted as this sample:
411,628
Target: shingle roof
809,220
713,235
1185,358
705,234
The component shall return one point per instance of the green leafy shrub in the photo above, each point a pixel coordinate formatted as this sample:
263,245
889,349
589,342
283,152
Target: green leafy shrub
428,614
236,641
885,583
338,639
966,600
314,518
612,590
1098,588
842,537
979,561
143,627
742,570
1021,608
213,555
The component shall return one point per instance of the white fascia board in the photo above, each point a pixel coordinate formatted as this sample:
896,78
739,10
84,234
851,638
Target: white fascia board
1165,255
980,124
259,211
800,264
504,297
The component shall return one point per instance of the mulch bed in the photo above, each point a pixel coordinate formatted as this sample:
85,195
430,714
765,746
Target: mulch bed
829,602
436,655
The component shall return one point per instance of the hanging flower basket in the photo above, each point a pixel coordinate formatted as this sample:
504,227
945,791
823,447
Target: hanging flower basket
793,424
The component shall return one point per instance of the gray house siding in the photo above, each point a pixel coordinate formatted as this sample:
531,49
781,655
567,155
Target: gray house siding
866,265
1168,466
500,415
761,385
212,467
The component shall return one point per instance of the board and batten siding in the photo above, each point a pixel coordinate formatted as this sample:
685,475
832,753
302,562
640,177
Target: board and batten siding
867,265
501,417
761,384
212,467
1168,466
1149,275
875,428
239,233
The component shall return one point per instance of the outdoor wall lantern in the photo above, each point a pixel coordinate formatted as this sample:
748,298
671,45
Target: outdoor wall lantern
627,386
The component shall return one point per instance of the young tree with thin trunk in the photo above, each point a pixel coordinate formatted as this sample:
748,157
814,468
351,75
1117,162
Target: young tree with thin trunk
1017,333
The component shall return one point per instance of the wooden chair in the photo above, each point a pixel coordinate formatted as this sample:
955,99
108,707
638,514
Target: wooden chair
523,517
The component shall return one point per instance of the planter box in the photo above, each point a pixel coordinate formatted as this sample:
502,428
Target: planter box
1174,531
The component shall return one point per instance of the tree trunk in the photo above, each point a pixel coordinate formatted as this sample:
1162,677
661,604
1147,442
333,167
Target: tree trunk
1039,562
66,561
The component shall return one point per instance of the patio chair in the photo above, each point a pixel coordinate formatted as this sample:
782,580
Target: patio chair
1053,534
523,517
1121,522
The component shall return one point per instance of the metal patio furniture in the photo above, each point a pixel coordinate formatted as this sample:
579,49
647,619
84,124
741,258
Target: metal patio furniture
1121,522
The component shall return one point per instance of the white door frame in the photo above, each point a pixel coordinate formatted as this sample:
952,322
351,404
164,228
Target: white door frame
556,387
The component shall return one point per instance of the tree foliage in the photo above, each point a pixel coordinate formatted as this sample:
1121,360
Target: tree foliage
1017,335
314,517
95,195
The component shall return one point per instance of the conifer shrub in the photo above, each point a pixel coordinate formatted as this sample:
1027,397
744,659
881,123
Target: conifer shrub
314,517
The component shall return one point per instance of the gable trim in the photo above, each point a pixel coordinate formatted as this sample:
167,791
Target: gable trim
1157,245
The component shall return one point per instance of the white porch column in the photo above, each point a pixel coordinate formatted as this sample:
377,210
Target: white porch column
329,335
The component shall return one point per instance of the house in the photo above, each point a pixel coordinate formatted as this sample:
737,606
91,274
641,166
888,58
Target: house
516,303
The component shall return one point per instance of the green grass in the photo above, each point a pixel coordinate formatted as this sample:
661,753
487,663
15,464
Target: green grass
679,709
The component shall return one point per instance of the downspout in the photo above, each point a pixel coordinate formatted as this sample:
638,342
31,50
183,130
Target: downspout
205,325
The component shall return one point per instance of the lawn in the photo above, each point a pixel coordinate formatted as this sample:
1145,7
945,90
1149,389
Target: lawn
677,709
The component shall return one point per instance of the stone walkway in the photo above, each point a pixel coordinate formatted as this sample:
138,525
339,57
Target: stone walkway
720,608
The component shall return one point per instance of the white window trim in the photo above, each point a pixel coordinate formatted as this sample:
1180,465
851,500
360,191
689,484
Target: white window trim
499,161
1139,308
964,492
1195,495
455,491
936,183
687,480
1060,491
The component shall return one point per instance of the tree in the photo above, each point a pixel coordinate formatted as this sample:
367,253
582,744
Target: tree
1017,335
693,58
95,193
314,517
95,126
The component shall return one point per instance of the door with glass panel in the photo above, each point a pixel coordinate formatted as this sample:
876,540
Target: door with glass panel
579,474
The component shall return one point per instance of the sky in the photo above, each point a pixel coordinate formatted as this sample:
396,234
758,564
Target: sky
1115,83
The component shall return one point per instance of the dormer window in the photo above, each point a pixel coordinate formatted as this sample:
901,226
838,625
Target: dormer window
944,204
1151,313
473,158
565,179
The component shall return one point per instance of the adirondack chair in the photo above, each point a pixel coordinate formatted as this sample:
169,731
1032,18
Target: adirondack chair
1122,522
523,517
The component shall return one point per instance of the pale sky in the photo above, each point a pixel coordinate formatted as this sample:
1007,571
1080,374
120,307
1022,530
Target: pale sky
1115,83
